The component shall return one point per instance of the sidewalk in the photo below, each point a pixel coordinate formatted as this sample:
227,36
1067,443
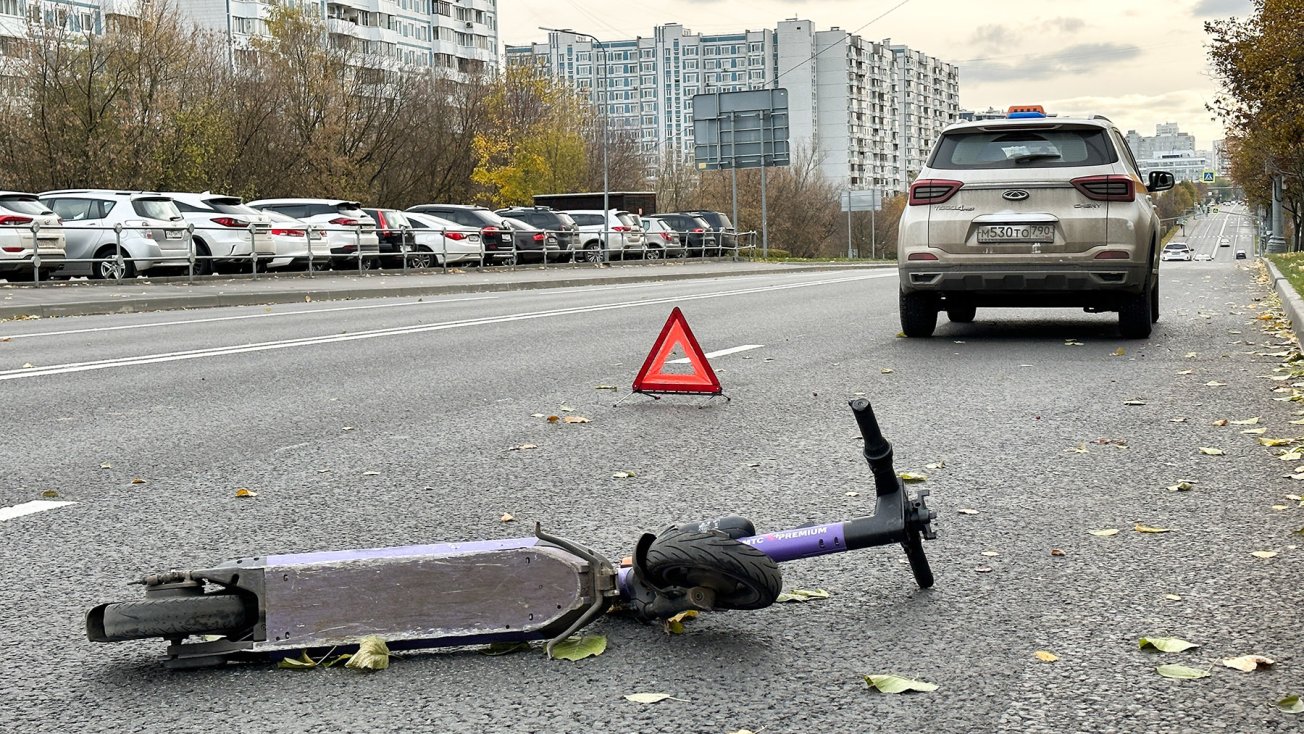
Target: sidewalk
82,298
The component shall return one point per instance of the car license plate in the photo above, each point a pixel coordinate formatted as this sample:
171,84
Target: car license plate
1016,233
173,234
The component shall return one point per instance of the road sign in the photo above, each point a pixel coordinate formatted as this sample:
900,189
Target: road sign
862,201
740,129
653,378
1209,176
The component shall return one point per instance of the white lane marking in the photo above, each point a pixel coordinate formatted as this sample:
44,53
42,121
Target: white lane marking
29,508
157,324
721,353
29,372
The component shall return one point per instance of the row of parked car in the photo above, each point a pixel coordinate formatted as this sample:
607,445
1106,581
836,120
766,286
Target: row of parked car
82,232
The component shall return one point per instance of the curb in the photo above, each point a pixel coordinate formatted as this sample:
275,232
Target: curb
259,298
1291,302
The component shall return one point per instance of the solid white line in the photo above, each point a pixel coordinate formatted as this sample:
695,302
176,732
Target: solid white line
29,372
721,353
157,324
28,508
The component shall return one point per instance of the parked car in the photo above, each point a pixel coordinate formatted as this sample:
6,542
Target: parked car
551,221
1031,211
616,232
438,240
153,232
726,236
18,243
1240,254
222,236
350,233
395,235
698,235
1177,251
495,235
661,239
533,244
293,248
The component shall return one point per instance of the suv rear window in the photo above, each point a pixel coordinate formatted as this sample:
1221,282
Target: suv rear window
230,206
717,220
162,209
1015,148
23,204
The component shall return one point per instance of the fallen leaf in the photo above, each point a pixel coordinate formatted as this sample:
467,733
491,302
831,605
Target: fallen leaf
575,419
990,554
579,647
1246,422
1276,441
507,517
537,415
623,475
1207,451
1255,432
137,480
566,409
1165,644
370,473
1185,372
496,649
852,494
887,370
372,654
1045,656
1118,352
303,662
1182,486
106,465
347,428
675,624
1080,448
1148,529
1293,497
605,387
243,492
1264,554
897,684
938,465
1181,672
27,365
1293,455
967,511
1279,508
1191,355
650,697
1291,705
1220,422
1134,402
912,477
1056,552
800,595
1248,663
1104,533
523,447
553,419
1172,597
49,493
983,569
1215,383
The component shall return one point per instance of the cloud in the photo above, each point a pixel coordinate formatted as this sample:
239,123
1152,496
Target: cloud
991,36
1140,112
1221,8
1071,60
1066,25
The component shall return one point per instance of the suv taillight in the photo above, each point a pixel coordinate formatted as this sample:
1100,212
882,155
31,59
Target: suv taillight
1106,188
455,235
13,220
289,233
619,228
230,222
933,191
345,221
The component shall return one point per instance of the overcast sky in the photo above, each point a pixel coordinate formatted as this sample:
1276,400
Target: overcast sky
1138,62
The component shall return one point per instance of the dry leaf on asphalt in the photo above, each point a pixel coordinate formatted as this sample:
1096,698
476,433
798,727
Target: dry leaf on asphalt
1165,644
106,465
372,654
49,493
523,447
1215,383
1181,672
1255,431
243,492
605,387
1246,422
553,419
370,473
897,684
1208,451
907,476
575,419
1172,597
1118,352
1149,529
1134,402
1276,441
650,697
507,517
137,480
887,370
1181,486
622,475
1220,422
801,595
967,511
675,624
1191,355
1185,372
938,465
1080,448
1104,533
1248,663
990,554
1264,554
1292,455
1057,552
1046,656
579,647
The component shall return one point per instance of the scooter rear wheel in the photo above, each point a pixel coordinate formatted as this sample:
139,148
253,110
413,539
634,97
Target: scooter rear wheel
176,617
914,548
741,576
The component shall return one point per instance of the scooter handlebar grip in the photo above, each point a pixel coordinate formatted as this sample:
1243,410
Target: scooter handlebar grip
875,444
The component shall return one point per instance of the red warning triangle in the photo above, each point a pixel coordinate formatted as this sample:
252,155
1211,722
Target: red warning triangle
654,378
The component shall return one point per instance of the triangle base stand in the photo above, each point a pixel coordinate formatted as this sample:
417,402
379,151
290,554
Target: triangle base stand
656,395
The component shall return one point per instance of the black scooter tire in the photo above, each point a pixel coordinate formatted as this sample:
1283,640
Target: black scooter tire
176,617
914,548
741,576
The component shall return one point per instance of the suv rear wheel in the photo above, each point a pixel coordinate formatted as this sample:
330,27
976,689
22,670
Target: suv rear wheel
1154,302
1134,321
960,312
918,314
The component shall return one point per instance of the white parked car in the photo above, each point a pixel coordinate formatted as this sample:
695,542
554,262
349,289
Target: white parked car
222,233
152,232
438,239
18,243
615,231
1177,251
347,228
290,238
661,239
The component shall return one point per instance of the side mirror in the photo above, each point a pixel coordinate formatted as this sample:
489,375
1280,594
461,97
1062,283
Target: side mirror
1160,181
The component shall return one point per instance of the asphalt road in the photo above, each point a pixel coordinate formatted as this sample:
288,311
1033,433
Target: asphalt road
298,402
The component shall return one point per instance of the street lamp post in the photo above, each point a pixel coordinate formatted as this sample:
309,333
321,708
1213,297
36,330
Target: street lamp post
599,94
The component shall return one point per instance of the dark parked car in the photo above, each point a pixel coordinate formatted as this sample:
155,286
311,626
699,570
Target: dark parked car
395,235
726,236
550,221
495,235
533,244
696,232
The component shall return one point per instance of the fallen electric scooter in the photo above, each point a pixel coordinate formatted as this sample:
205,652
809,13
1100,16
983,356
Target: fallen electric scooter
522,589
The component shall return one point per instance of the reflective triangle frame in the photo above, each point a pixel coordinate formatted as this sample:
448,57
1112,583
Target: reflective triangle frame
652,378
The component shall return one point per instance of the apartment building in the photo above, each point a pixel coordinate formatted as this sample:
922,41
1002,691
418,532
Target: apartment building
869,109
454,37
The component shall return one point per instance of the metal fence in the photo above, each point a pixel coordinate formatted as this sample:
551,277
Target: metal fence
123,253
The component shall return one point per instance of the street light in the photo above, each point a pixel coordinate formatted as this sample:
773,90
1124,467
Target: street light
606,206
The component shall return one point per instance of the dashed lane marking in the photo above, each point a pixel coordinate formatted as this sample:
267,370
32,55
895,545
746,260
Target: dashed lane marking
30,508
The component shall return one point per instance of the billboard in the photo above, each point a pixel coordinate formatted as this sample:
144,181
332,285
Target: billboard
740,129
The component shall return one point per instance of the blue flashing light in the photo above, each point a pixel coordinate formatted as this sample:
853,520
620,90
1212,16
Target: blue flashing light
1025,115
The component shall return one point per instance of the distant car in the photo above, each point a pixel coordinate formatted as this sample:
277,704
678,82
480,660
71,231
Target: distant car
223,235
726,236
1240,254
350,233
662,239
1225,242
290,238
697,234
18,212
1177,251
552,222
440,240
495,235
1204,257
153,233
616,231
395,235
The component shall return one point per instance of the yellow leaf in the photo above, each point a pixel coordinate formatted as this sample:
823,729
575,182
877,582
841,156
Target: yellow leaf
1080,448
887,370
1292,455
967,511
1276,441
49,493
137,480
1207,451
1046,656
1104,533
106,465
1255,431
1148,529
507,517
1220,422
1246,422
243,492
675,624
1172,597
1264,554
912,477
1118,352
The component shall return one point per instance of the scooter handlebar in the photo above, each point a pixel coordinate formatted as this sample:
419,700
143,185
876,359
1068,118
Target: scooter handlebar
875,444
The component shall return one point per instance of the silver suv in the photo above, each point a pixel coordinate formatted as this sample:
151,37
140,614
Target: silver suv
118,234
1031,211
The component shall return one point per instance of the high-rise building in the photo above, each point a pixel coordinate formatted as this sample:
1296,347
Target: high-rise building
1172,150
869,110
454,37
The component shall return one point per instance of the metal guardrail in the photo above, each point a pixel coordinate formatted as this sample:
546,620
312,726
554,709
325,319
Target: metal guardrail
324,252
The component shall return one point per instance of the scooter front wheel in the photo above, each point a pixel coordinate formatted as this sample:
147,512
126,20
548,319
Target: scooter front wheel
172,617
741,576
